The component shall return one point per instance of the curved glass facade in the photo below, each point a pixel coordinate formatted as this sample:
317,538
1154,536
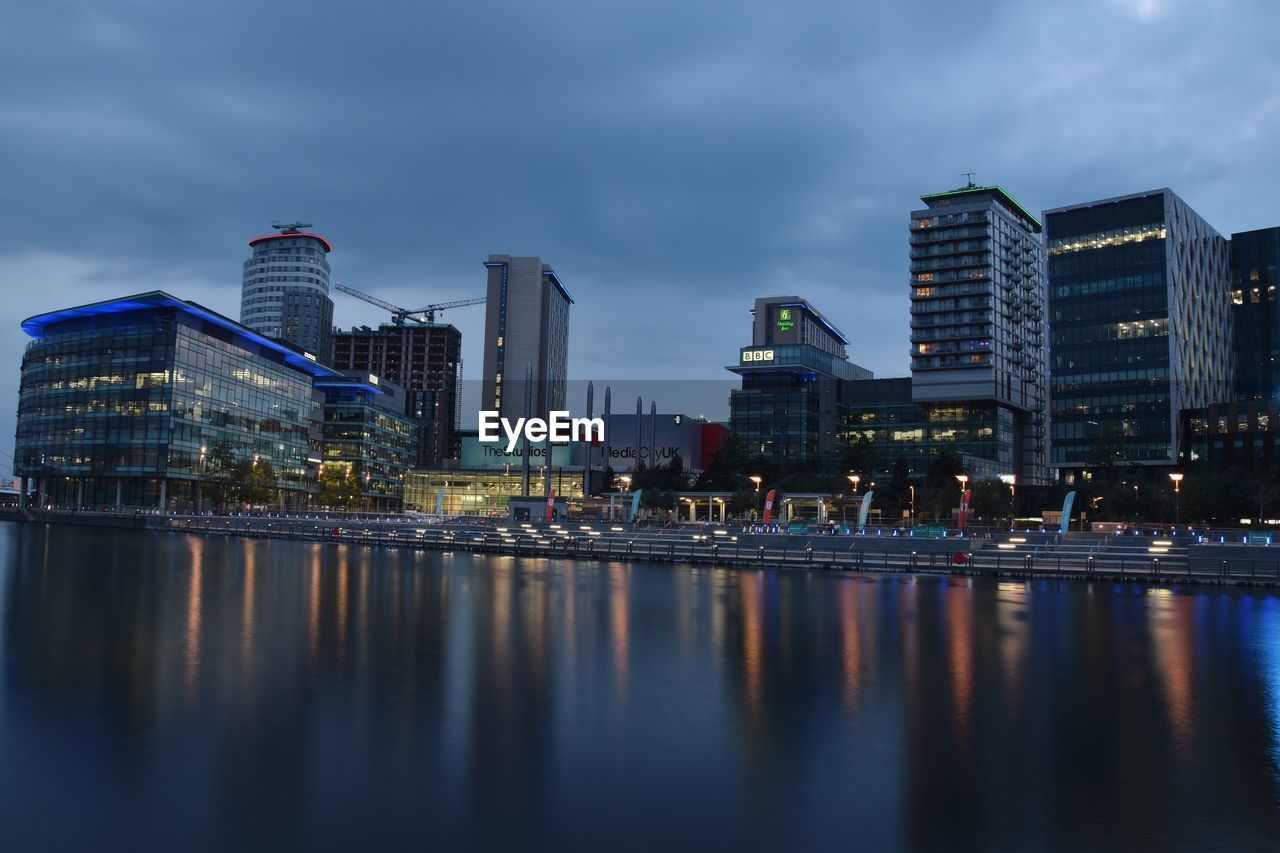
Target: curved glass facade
123,407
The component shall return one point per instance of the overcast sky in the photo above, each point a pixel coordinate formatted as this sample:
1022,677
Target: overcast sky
672,161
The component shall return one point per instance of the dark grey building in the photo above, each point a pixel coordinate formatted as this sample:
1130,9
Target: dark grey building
978,307
526,323
125,402
285,294
426,360
1255,261
1140,305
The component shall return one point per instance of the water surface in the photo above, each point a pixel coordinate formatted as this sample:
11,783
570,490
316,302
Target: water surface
164,691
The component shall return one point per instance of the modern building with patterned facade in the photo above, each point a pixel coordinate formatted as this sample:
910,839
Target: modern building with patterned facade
367,433
424,359
121,401
1140,304
1255,275
881,411
789,406
285,294
526,325
978,318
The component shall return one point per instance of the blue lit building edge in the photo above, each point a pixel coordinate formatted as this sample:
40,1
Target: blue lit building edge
35,326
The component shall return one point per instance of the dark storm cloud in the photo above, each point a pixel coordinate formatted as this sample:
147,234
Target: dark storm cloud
672,160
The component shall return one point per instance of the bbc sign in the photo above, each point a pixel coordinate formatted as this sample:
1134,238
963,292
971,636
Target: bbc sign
751,356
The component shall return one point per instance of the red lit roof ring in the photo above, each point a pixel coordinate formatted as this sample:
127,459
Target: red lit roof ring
328,247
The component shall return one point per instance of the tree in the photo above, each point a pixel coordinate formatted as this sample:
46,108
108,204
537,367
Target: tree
608,480
743,502
990,500
727,469
252,482
900,482
217,465
1107,449
860,457
658,499
339,486
669,476
940,488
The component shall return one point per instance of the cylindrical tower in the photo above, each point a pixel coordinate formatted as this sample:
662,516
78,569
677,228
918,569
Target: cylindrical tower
286,289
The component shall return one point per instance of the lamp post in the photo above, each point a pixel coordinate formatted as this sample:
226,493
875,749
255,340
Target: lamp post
1011,481
913,503
757,479
964,479
855,479
1176,476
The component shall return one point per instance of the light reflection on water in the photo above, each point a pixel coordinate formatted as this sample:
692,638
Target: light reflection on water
221,691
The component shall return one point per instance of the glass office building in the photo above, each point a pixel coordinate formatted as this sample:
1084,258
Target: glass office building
366,432
789,406
1255,259
981,433
121,401
1140,305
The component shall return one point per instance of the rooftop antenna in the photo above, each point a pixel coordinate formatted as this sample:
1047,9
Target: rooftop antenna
968,176
290,227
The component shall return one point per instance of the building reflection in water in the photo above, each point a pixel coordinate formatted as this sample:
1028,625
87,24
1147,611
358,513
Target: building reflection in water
312,695
1172,626
620,626
1014,628
191,668
960,630
851,648
1267,642
751,592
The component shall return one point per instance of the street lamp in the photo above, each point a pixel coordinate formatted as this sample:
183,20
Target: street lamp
913,503
1011,480
757,479
855,479
1176,476
964,479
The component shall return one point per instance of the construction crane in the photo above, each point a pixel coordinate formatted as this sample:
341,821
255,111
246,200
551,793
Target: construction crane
399,315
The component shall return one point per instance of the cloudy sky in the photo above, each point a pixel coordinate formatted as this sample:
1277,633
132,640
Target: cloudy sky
672,160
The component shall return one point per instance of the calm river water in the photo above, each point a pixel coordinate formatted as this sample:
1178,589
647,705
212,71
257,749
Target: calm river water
175,692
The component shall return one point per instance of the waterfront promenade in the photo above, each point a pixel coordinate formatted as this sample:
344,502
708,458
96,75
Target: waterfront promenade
1079,556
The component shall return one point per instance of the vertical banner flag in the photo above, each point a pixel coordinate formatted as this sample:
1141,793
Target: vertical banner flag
440,503
865,511
635,504
964,508
551,505
1066,511
768,504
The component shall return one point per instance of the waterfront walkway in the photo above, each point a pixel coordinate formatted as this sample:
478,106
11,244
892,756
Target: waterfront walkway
1081,556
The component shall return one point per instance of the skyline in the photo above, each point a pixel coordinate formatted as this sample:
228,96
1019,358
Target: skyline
679,179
